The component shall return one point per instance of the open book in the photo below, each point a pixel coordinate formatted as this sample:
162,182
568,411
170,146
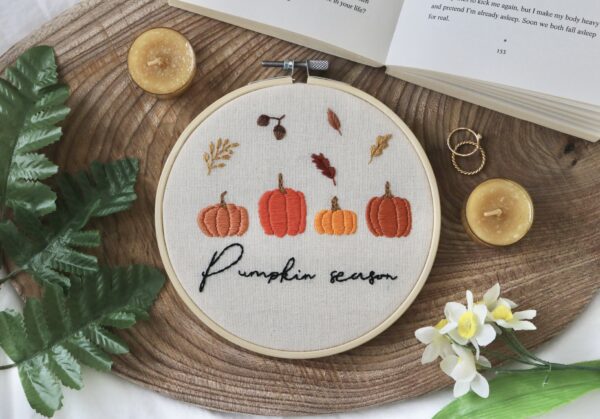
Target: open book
538,61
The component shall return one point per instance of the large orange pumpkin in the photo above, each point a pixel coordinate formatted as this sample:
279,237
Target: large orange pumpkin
282,211
223,220
335,221
388,215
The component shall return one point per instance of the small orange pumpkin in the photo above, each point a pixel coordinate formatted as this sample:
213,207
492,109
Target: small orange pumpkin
282,211
388,215
335,221
223,220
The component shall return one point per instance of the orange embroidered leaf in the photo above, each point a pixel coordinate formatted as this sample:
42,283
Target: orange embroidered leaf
334,121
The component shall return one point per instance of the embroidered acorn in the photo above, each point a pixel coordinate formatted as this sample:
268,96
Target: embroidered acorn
263,120
335,221
223,220
279,130
388,215
282,211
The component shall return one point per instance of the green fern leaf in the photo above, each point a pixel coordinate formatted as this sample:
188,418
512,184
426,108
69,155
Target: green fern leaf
48,251
57,334
31,104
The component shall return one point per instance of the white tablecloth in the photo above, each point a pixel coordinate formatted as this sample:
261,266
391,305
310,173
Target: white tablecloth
107,396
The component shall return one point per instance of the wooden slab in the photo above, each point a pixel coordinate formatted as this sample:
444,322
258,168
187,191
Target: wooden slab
554,270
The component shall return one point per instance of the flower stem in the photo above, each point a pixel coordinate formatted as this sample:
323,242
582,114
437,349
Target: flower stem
7,367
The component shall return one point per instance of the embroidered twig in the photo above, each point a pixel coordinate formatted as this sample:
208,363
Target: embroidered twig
324,166
334,121
279,130
222,150
381,144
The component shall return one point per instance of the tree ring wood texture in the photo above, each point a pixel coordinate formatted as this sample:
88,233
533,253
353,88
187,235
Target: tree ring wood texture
554,269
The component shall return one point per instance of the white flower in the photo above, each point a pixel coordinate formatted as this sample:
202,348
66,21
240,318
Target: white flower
462,367
500,311
504,317
491,298
467,324
438,345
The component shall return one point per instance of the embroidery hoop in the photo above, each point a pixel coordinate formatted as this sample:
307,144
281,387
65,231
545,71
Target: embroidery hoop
217,328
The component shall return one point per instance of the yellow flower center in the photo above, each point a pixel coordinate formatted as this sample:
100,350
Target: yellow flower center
441,324
467,325
502,312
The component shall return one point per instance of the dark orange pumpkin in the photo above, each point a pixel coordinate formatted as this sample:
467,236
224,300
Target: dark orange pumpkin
282,211
223,220
388,215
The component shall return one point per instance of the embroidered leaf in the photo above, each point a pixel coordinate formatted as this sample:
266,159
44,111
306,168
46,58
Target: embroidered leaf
324,166
56,334
223,150
48,250
525,394
334,121
31,104
381,144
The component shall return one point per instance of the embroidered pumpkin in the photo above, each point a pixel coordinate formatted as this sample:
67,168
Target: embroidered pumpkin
223,220
335,221
388,215
282,211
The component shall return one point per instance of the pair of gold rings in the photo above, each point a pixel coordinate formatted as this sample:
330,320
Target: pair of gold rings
456,147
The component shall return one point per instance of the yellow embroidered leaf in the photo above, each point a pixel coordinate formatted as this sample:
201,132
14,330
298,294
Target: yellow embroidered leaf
381,144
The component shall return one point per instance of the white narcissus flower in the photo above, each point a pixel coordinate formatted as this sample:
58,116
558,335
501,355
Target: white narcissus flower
467,324
462,367
505,318
491,298
500,311
438,345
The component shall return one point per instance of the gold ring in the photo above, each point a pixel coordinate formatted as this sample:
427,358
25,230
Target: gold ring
454,149
460,169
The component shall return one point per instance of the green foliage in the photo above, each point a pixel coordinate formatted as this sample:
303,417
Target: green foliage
31,104
56,334
525,394
48,251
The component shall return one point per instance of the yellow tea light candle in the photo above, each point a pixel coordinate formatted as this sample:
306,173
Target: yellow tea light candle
499,212
162,62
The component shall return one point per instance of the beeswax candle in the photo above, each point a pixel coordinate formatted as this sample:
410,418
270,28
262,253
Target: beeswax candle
499,212
162,62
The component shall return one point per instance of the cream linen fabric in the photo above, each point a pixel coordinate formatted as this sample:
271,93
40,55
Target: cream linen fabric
298,315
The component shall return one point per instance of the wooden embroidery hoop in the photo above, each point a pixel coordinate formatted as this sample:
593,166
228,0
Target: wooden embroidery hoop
265,84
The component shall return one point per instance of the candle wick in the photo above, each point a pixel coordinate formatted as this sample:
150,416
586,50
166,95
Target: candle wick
159,61
497,212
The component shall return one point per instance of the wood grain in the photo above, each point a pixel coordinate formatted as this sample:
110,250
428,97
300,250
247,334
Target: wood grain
554,270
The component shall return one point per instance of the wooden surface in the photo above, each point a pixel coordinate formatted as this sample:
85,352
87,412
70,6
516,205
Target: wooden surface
554,270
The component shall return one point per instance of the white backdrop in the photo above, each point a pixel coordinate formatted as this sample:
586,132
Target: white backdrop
107,396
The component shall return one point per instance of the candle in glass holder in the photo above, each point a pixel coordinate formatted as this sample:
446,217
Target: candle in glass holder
499,212
162,62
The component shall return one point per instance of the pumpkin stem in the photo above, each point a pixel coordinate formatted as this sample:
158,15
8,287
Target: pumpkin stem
223,204
335,206
388,190
281,187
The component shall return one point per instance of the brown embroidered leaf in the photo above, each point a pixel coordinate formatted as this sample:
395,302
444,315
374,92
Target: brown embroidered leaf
324,166
222,151
381,144
334,121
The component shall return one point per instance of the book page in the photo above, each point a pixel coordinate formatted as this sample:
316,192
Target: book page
363,27
551,47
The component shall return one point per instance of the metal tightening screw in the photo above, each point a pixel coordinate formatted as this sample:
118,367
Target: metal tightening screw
311,65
